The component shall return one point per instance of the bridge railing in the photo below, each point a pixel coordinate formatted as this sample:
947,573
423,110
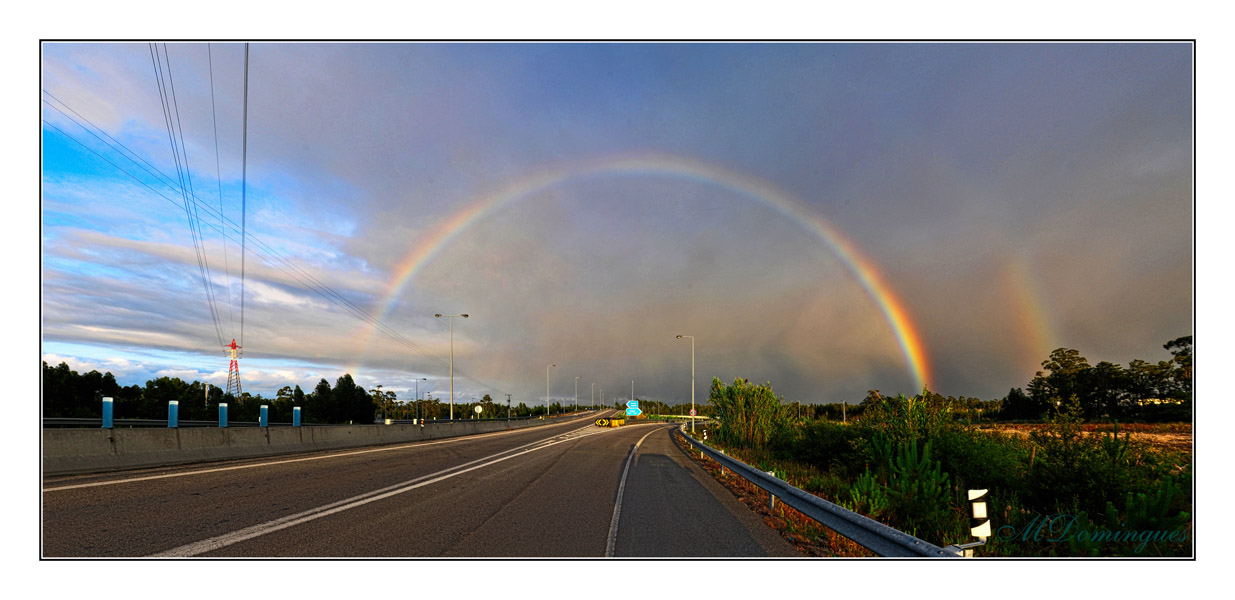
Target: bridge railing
869,533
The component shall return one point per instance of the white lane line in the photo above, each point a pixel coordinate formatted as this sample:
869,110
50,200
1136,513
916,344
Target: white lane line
249,533
617,506
278,462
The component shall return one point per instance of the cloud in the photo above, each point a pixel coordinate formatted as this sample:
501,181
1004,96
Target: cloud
1017,197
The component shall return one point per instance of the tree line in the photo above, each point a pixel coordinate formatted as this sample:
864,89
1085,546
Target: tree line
66,393
1142,390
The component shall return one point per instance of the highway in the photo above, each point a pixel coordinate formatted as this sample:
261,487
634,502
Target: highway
564,490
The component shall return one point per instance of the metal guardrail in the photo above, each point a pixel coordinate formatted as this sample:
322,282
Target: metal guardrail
869,533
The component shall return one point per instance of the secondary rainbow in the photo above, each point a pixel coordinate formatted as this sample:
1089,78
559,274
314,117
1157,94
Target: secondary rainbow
863,269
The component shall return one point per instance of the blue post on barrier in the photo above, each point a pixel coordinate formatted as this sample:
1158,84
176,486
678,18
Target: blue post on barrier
222,414
261,419
173,413
107,413
295,416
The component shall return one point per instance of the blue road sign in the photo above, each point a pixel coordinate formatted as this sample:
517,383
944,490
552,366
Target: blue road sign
632,404
633,412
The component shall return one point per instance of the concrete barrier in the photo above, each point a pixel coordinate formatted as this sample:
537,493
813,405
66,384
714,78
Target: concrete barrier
73,451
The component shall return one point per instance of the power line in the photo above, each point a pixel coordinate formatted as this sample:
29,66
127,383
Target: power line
218,177
294,271
167,100
244,179
195,220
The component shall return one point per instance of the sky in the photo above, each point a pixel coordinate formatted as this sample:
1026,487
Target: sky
828,217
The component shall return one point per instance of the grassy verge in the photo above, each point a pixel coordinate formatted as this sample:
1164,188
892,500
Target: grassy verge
1064,488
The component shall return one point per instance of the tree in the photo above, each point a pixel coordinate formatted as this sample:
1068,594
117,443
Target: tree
379,398
321,404
1181,366
1018,405
1105,387
1065,367
354,403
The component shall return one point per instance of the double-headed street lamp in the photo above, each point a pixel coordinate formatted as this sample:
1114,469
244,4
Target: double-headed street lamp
547,413
692,380
451,319
418,380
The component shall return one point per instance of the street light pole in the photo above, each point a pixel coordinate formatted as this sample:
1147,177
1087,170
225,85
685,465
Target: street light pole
547,390
593,395
576,392
451,319
692,380
418,380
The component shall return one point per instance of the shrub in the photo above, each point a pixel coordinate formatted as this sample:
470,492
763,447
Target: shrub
981,460
828,446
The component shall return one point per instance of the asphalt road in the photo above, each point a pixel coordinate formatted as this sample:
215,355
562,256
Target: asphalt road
564,490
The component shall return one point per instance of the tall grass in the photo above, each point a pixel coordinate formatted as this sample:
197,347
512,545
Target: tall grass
908,461
752,415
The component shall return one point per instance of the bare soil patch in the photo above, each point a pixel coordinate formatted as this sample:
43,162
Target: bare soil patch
1176,437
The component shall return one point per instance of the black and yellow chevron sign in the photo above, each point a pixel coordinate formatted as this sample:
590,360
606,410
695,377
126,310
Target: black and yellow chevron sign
602,422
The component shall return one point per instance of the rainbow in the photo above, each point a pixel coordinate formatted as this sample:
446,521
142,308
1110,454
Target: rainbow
863,269
1033,325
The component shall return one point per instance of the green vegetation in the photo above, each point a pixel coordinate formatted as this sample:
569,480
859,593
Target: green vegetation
752,414
1065,489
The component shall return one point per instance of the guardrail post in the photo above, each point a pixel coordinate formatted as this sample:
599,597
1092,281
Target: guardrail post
262,420
295,416
223,414
980,524
771,496
107,413
173,413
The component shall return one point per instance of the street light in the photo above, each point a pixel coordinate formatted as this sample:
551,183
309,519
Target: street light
692,380
418,380
451,319
547,390
593,395
576,392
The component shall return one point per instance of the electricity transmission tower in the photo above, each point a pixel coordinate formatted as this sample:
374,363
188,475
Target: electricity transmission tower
233,370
